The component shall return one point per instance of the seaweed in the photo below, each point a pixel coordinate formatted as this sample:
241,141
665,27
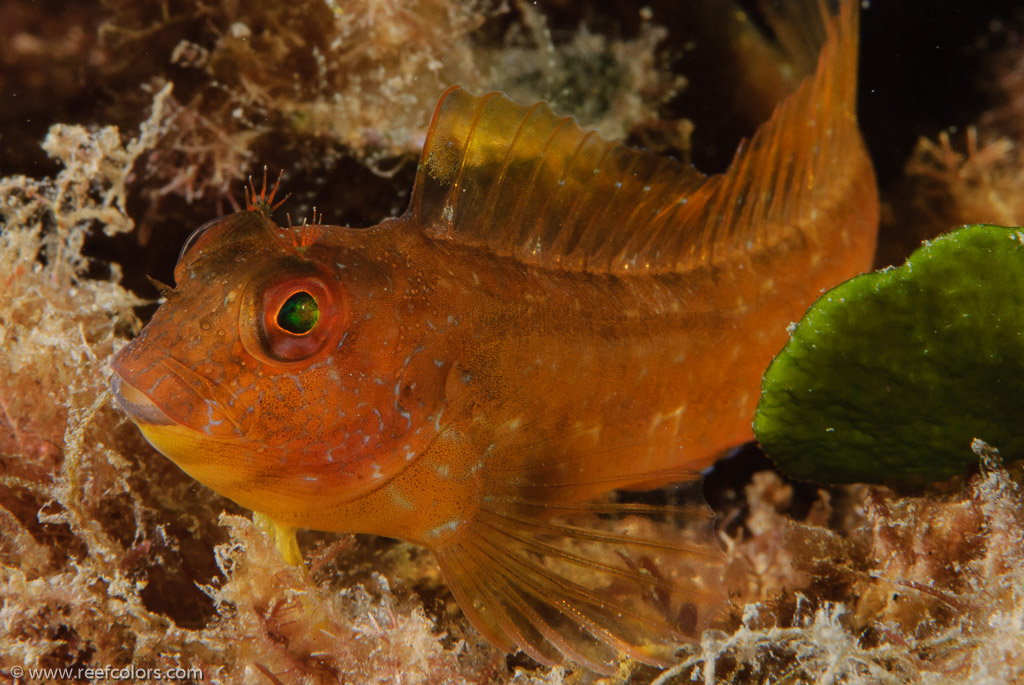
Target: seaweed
893,373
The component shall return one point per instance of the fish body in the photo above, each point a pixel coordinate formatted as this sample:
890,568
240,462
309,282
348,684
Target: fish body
555,317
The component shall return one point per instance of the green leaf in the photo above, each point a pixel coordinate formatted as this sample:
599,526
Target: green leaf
889,376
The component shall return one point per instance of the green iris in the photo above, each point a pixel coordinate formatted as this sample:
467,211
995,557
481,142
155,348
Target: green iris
298,314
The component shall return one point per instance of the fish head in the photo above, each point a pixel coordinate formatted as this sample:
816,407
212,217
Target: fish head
279,369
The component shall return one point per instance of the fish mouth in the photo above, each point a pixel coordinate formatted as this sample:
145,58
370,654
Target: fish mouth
137,405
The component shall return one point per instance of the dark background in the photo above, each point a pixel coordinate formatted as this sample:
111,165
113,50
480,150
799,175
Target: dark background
925,67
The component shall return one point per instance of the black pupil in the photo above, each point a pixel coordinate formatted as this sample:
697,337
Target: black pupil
298,314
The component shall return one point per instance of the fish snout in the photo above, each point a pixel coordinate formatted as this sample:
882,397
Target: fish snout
166,392
136,404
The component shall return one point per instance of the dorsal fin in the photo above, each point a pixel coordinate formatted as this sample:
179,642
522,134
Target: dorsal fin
525,183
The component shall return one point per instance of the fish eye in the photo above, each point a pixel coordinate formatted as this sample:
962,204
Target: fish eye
292,313
299,313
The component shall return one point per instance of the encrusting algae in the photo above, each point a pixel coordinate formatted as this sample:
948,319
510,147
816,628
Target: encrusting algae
327,75
555,317
107,552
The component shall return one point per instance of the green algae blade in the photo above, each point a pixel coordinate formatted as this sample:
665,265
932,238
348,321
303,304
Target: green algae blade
890,375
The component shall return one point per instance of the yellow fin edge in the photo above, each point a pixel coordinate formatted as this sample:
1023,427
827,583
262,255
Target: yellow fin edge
283,537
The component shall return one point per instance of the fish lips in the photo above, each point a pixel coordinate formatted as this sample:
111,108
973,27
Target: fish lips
155,389
137,405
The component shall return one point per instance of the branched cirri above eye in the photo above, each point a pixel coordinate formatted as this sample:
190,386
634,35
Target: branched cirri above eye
299,313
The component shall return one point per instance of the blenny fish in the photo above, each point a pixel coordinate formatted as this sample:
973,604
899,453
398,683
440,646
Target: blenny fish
554,319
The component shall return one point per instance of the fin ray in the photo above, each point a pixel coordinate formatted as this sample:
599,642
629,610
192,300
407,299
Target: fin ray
561,581
583,562
537,646
481,614
524,183
618,480
524,592
604,620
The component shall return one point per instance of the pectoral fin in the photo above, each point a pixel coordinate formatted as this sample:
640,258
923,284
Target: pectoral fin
591,582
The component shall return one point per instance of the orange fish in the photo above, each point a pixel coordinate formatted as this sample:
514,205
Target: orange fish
554,318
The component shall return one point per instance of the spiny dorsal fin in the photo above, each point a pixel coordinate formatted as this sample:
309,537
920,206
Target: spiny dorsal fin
525,183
